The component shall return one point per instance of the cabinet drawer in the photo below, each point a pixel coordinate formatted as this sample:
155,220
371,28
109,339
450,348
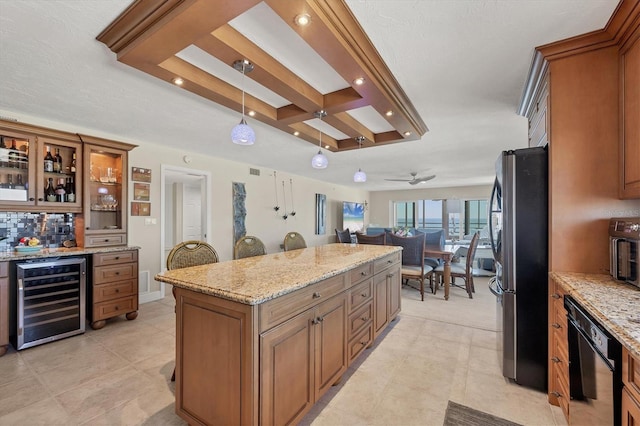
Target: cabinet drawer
359,319
560,358
360,294
359,343
276,311
4,269
105,292
562,389
114,308
105,240
631,373
107,274
360,273
385,262
102,259
559,322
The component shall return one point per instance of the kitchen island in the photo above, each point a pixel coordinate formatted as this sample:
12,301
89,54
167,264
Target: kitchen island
259,340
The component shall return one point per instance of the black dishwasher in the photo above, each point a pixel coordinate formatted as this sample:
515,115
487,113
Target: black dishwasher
595,364
48,300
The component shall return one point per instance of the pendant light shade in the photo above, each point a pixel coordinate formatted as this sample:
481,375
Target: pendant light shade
359,176
242,133
320,161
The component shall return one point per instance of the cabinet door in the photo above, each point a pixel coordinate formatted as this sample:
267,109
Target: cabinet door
4,308
394,284
330,330
105,195
630,410
64,176
630,130
380,303
17,171
286,370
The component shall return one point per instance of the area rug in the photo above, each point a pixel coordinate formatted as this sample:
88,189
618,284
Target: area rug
459,415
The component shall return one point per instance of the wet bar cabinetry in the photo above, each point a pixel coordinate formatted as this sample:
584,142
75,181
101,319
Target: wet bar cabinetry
558,349
25,177
631,389
630,116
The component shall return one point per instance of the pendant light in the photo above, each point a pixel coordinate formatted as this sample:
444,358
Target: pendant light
242,133
320,161
360,176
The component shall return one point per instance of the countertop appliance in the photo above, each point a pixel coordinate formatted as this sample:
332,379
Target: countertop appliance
518,234
595,364
624,249
48,300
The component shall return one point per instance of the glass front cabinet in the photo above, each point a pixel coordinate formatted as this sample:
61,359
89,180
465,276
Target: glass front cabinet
105,196
40,171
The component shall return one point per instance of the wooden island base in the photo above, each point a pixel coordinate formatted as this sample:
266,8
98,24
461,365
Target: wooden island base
268,363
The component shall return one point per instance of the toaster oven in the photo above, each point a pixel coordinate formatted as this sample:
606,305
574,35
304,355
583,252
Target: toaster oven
624,249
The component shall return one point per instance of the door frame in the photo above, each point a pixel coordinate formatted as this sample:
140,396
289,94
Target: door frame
185,174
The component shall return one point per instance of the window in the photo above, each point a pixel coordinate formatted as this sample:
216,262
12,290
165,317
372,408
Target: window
475,216
429,214
405,214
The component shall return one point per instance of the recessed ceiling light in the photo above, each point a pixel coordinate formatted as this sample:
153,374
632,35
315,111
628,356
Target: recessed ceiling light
178,81
252,113
358,81
407,133
302,20
389,113
327,147
296,133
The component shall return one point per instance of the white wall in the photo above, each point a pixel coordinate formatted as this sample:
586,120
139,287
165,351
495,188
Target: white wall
261,220
381,202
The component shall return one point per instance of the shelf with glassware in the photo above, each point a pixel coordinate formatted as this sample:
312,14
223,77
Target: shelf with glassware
29,177
105,218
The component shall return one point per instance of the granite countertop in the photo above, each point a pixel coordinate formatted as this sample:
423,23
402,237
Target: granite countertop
61,251
254,280
614,304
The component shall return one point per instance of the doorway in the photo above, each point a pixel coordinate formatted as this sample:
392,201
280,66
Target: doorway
186,207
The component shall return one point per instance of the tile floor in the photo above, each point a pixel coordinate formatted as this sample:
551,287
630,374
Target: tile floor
435,351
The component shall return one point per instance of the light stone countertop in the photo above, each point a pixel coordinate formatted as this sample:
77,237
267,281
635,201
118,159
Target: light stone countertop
61,251
614,304
254,280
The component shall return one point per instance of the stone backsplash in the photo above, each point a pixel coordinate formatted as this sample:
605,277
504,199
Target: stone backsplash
52,229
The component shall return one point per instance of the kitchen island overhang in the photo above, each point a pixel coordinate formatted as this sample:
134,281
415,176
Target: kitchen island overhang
259,340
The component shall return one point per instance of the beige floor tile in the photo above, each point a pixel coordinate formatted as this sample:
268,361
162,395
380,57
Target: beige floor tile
55,354
13,368
20,394
135,347
46,412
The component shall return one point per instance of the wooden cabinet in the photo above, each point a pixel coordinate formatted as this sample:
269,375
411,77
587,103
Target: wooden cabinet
631,389
630,117
538,113
104,222
300,360
558,349
24,177
386,292
4,307
114,287
360,321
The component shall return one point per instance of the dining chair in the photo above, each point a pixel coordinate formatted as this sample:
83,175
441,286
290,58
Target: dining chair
186,254
413,267
457,271
379,239
293,241
248,246
343,236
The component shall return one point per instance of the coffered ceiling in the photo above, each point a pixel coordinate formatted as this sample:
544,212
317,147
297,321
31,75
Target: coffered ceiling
325,63
459,64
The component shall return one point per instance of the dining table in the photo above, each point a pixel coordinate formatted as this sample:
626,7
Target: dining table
446,255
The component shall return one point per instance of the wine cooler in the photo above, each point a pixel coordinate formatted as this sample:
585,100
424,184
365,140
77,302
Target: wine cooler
50,300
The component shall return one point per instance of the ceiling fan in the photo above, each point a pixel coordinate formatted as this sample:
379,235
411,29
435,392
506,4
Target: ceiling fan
414,179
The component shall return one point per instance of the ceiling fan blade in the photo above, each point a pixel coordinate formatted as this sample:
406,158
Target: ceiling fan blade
421,179
399,180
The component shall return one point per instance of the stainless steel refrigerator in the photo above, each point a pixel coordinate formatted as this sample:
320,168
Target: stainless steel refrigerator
518,228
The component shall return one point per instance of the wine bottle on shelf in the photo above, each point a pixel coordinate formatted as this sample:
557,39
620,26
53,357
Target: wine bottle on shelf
57,162
71,190
10,184
73,163
61,193
19,182
14,155
50,192
48,160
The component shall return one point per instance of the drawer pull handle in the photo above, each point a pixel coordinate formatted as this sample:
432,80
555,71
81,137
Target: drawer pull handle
317,320
106,240
556,325
363,343
555,359
117,258
389,275
117,273
317,295
117,307
117,290
389,261
364,295
363,273
556,394
555,296
365,319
